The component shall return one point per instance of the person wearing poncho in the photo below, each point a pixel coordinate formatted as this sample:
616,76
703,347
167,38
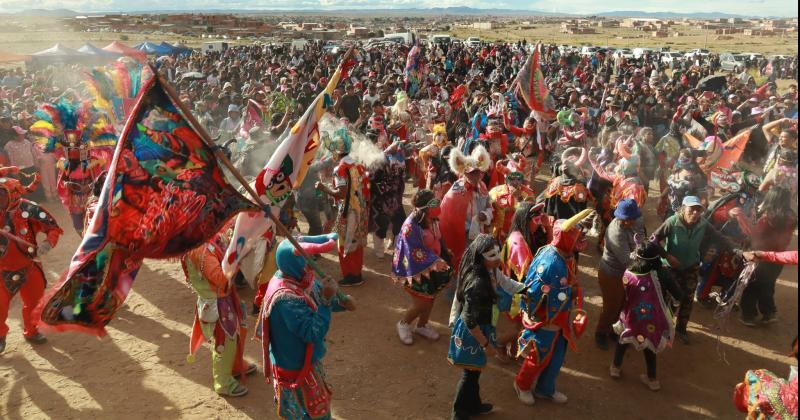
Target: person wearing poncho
219,316
552,291
351,191
466,211
20,268
420,263
294,320
506,198
645,321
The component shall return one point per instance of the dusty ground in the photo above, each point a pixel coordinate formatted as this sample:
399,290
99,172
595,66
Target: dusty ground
140,369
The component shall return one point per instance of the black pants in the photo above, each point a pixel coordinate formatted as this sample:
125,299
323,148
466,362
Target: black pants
759,296
382,222
468,395
649,359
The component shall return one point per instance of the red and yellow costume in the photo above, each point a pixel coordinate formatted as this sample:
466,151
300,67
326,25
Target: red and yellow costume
20,269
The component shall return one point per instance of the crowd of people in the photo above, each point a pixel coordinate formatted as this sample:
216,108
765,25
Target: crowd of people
506,190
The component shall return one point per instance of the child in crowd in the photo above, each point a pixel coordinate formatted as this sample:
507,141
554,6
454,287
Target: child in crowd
646,320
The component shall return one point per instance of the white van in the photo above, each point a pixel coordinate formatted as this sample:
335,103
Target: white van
407,38
588,51
215,46
439,39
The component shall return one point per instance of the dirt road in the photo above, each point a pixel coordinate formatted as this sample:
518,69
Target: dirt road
140,369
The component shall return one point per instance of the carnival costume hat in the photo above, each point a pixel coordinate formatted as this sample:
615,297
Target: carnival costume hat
114,88
12,188
70,128
567,233
478,160
340,142
572,161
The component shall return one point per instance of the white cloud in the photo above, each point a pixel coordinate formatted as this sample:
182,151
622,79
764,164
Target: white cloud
748,7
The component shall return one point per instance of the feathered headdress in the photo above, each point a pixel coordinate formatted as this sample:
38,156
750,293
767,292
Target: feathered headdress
72,124
114,88
340,142
479,159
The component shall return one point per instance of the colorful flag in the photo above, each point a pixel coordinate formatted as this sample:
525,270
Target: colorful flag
283,173
116,87
164,195
412,70
530,85
732,150
254,116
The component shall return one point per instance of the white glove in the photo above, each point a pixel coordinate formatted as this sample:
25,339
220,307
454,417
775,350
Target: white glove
43,249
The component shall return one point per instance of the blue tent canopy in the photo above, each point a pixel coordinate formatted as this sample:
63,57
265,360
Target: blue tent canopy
176,49
148,47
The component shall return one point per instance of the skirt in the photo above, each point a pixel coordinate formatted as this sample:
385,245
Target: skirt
465,351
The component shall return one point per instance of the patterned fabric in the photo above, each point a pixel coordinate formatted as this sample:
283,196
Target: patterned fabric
532,86
164,195
646,320
465,352
284,172
765,395
311,399
352,219
116,86
411,257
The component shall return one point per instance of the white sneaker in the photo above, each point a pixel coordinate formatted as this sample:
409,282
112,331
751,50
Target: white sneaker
404,332
557,397
526,397
615,372
427,332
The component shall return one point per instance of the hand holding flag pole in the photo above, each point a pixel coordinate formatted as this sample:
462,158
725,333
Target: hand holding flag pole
265,207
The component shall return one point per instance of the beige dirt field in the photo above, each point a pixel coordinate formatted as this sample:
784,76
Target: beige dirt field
140,371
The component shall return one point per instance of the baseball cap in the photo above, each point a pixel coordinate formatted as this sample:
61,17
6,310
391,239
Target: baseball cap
692,201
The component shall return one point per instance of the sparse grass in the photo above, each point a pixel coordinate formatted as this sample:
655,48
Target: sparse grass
630,38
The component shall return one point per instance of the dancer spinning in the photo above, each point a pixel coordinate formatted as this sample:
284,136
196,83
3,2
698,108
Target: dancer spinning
20,250
82,139
420,262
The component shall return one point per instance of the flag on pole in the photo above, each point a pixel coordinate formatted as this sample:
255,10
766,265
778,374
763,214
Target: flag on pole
254,116
412,70
283,173
164,195
530,85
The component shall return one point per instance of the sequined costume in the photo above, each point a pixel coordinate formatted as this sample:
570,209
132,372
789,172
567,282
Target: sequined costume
20,268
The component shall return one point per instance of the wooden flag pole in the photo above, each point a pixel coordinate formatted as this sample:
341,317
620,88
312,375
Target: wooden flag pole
225,161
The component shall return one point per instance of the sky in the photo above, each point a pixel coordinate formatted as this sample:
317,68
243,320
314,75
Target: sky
786,8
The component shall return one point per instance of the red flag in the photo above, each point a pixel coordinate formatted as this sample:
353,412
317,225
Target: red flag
530,85
253,117
165,194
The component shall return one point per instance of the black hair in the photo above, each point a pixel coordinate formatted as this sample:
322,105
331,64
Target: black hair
645,258
472,266
420,200
522,217
776,207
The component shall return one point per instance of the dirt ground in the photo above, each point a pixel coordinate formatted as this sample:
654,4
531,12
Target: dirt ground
140,370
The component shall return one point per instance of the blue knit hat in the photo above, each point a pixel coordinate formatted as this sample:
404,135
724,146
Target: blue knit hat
627,209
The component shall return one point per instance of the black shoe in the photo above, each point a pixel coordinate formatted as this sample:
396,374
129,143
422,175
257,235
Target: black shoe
2,344
683,337
38,338
601,340
349,281
485,408
460,415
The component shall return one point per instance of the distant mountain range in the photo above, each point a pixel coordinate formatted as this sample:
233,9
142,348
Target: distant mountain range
460,11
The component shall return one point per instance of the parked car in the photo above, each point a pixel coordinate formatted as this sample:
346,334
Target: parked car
639,52
473,42
671,58
624,53
588,51
732,62
753,56
702,52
